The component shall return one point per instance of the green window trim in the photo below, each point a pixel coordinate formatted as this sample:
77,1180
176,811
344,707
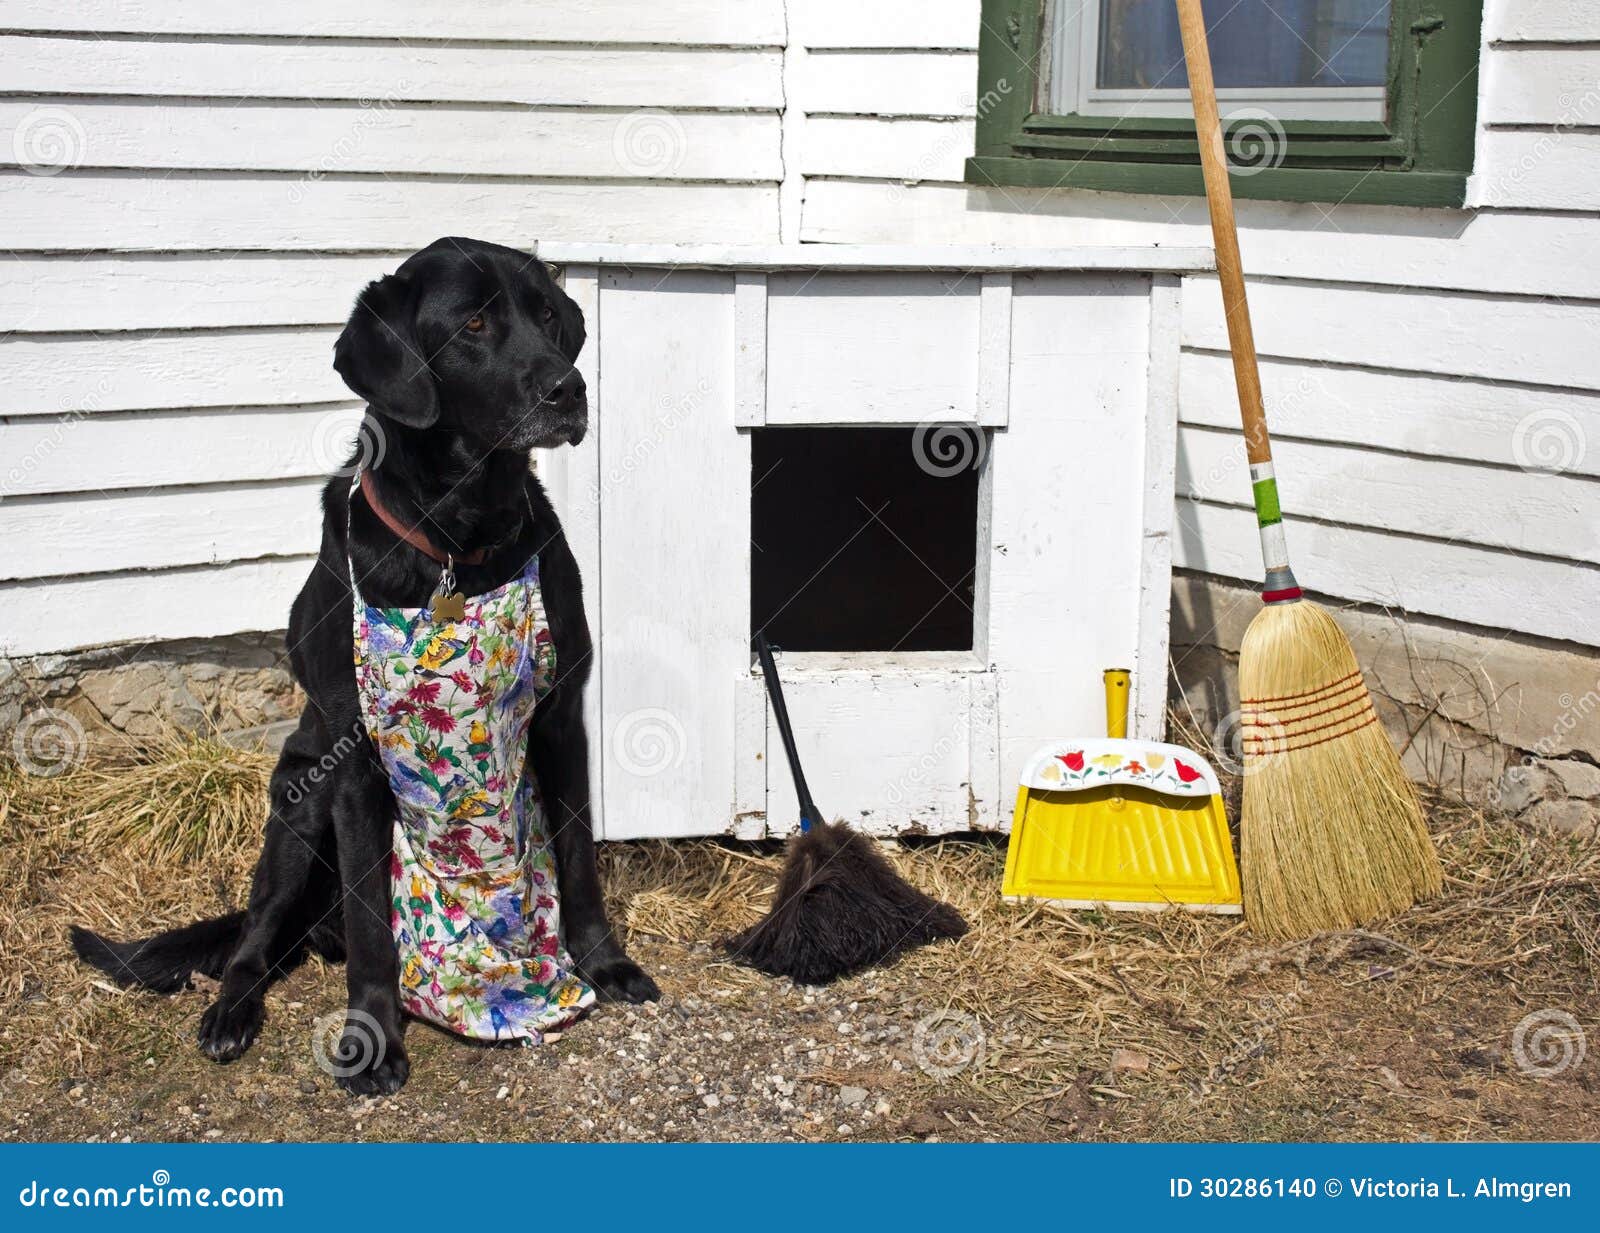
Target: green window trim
1420,156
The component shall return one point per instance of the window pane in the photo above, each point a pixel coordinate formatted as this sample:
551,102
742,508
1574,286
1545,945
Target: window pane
1254,43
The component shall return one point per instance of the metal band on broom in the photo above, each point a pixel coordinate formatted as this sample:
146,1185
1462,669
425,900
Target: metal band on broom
1331,833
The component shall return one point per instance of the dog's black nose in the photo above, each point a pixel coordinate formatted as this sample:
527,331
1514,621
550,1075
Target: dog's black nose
568,393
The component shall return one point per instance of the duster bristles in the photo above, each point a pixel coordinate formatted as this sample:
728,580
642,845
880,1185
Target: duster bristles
1331,833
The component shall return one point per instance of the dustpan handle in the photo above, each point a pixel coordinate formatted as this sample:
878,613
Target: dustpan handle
1280,586
780,712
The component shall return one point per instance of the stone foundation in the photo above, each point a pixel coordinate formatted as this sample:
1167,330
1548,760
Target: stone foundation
1501,720
232,685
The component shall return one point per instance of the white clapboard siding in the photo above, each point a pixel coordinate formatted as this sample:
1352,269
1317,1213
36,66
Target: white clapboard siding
93,453
1552,515
1444,417
188,211
901,149
1542,85
696,22
139,606
49,374
150,530
387,73
1542,21
879,83
1534,340
1555,254
162,291
1480,586
885,23
415,139
1538,169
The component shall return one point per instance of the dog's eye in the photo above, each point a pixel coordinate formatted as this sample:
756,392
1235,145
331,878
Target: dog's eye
547,314
475,323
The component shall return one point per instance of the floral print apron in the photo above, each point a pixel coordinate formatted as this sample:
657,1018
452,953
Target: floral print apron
448,705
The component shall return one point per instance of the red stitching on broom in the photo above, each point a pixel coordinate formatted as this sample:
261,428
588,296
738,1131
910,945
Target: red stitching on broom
1277,719
1320,689
1286,747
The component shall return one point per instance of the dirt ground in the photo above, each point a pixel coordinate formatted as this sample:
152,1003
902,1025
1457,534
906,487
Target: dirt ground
1039,1025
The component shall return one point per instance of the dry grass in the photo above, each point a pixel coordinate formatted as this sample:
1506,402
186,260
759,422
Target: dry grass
1255,1038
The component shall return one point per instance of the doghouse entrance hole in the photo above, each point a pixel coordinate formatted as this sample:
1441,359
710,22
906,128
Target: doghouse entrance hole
864,539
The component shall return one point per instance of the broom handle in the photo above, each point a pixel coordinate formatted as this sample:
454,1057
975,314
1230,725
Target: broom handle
1280,586
769,669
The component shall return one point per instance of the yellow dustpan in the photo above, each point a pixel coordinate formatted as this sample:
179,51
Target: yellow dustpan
1115,823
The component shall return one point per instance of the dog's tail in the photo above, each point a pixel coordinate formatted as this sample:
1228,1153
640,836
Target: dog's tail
163,963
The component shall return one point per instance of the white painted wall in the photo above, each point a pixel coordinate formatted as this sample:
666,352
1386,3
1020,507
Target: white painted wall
1417,362
236,172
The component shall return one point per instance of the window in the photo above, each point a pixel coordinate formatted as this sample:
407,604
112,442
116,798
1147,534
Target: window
1322,100
864,539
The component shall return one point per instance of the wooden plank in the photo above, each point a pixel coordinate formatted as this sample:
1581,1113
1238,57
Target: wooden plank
910,24
1460,582
1446,417
51,374
552,76
906,150
1425,331
94,453
675,569
880,84
38,618
1541,85
185,212
1064,590
159,529
989,789
994,351
1519,511
1529,170
1544,21
415,139
749,349
750,758
167,291
1554,254
693,22
175,290
884,751
968,258
921,368
1148,712
572,478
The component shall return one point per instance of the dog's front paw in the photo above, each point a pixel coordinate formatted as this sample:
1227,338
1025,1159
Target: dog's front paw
370,1066
620,979
228,1028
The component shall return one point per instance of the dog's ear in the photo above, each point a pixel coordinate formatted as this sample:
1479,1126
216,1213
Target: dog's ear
570,333
379,357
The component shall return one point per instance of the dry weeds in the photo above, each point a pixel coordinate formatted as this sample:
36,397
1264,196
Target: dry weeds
1399,1030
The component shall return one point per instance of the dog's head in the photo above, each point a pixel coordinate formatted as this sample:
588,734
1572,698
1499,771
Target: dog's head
474,337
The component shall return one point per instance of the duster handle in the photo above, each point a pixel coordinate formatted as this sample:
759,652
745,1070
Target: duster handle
1280,586
769,669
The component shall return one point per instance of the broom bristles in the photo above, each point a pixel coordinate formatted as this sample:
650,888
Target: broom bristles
1331,833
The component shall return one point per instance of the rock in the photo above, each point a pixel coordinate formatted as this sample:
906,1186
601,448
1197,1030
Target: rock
1578,779
1523,784
1581,818
1129,1062
711,1100
850,1096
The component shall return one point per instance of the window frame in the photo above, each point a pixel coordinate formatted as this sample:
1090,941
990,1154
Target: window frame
1421,156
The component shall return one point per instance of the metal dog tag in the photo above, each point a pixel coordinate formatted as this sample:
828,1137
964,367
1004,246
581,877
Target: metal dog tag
448,604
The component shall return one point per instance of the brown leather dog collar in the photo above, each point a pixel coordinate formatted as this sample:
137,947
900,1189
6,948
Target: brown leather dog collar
412,535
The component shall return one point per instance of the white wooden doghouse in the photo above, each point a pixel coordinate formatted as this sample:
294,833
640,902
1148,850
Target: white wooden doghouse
1062,367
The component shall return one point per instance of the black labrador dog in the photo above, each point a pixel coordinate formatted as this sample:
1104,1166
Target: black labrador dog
465,358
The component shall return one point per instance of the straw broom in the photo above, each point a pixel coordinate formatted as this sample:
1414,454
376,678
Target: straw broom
1331,833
